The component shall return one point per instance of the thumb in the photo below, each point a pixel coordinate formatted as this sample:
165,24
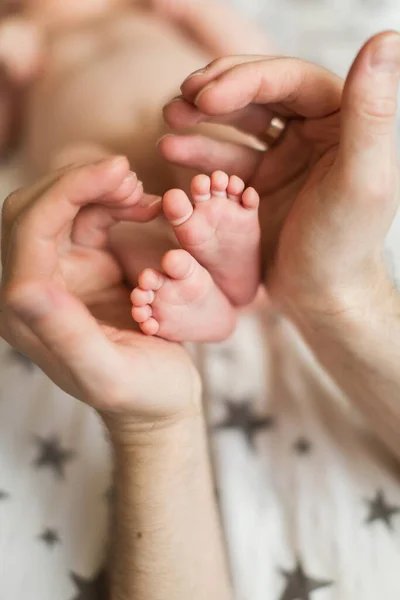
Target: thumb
369,106
72,336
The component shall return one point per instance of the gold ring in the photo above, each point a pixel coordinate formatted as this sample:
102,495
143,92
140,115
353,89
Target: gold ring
274,131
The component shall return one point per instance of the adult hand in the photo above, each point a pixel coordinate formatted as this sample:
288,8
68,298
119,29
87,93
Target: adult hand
64,304
329,187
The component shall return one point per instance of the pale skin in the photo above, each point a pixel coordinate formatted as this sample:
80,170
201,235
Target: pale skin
64,304
218,268
71,60
79,104
45,313
329,192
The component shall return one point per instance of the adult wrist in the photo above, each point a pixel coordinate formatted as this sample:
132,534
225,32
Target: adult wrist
127,437
155,415
129,431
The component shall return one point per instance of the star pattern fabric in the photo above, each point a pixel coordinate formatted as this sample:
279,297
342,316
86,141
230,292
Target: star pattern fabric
302,446
50,537
300,586
381,510
260,491
241,417
110,494
52,455
95,588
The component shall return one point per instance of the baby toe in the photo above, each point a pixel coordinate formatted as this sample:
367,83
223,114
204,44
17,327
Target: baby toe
141,313
251,199
150,279
219,184
178,264
150,327
235,188
177,207
201,188
141,297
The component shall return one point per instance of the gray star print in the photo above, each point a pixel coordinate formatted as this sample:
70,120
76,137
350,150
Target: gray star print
240,417
52,455
302,446
91,589
50,537
299,586
381,510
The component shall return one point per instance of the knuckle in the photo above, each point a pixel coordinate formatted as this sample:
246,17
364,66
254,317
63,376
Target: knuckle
378,108
293,86
378,192
66,170
374,191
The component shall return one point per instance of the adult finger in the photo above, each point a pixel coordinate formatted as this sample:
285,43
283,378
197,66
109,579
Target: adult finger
35,238
368,145
200,78
18,201
206,155
91,228
290,86
282,164
253,119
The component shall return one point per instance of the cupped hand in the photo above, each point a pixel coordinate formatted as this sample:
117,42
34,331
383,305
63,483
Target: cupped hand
329,187
63,299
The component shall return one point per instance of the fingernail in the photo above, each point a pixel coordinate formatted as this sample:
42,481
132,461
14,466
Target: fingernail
386,55
207,87
115,161
129,177
163,138
176,99
196,73
157,201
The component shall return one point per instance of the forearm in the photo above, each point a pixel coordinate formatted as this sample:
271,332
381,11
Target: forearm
360,349
166,536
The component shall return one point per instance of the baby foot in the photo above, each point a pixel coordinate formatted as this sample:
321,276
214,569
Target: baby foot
221,231
184,304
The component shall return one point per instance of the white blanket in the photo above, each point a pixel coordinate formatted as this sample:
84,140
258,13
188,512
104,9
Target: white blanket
310,500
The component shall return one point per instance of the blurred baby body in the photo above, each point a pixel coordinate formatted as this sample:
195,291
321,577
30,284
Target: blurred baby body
99,79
